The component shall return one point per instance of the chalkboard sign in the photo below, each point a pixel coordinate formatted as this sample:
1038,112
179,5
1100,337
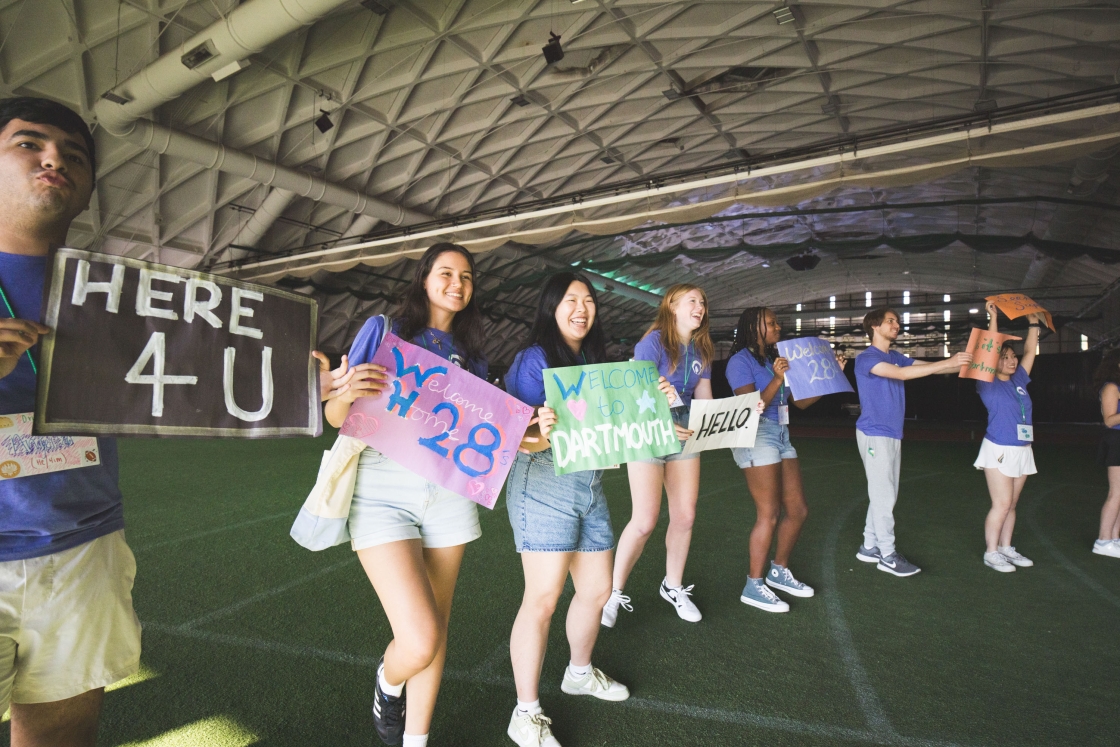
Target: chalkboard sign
137,348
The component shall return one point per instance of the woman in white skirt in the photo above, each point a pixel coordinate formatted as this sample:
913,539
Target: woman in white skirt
1005,453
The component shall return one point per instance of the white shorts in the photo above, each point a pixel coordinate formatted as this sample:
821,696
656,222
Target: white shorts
392,503
1013,461
66,622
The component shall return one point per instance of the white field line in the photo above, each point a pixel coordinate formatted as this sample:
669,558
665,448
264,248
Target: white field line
865,692
721,715
1059,556
266,594
208,532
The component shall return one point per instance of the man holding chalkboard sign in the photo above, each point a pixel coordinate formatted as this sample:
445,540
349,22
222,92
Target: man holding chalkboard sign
881,374
65,571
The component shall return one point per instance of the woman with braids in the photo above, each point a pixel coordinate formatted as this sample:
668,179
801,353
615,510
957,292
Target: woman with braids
679,344
409,533
770,466
1106,380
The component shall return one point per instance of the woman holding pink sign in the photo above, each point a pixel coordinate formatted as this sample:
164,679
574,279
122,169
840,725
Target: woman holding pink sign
679,343
1005,453
410,534
561,524
770,466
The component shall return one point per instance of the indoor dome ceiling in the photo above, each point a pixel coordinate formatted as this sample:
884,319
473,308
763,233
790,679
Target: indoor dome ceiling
447,108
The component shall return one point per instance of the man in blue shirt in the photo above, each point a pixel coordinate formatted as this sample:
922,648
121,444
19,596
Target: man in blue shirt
880,377
67,627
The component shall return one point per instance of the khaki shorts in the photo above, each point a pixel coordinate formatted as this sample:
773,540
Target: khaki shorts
66,622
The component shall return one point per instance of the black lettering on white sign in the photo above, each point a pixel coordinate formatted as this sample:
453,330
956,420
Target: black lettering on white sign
137,348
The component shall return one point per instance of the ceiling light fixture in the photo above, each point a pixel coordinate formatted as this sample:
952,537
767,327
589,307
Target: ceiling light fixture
553,52
324,122
200,55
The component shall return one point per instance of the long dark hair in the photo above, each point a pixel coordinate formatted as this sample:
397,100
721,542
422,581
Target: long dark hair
1108,371
413,315
546,333
751,323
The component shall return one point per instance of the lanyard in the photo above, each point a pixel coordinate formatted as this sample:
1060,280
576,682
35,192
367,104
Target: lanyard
1022,407
782,390
687,370
12,314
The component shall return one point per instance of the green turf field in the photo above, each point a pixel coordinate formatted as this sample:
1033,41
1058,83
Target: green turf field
250,639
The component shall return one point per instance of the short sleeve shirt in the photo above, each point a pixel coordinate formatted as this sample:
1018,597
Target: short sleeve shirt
525,378
690,369
433,340
882,401
1008,405
743,369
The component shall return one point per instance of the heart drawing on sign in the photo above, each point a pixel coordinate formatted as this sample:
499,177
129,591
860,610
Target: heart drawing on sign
475,487
518,410
577,407
359,426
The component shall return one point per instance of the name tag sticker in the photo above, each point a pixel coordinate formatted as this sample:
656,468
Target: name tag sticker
783,414
22,454
1026,432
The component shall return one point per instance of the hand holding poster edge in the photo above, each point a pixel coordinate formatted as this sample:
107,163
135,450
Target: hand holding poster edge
807,376
1015,305
727,423
985,347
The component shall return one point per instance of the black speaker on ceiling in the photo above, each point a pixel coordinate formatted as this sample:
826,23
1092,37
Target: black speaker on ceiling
553,52
803,262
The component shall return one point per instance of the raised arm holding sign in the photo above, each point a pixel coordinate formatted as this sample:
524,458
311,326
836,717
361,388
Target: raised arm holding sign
1015,305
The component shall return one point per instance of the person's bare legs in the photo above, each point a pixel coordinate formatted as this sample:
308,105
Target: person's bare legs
766,490
61,723
1009,523
1002,489
591,575
545,574
443,571
400,577
1110,511
794,514
645,498
682,488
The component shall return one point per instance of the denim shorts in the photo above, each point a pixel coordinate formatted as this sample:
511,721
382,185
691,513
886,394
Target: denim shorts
392,503
556,514
771,446
680,417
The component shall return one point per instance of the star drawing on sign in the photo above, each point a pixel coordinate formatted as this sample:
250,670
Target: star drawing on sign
646,402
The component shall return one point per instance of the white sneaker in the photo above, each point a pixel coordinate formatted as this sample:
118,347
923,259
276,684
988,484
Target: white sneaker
595,684
531,730
998,562
1016,558
610,609
1108,548
678,596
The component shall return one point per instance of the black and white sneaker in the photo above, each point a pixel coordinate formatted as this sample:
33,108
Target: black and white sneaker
388,712
897,565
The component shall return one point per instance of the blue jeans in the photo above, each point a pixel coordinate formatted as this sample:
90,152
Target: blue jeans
771,446
556,514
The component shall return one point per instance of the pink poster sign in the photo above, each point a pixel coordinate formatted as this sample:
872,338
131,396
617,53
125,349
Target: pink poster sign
441,422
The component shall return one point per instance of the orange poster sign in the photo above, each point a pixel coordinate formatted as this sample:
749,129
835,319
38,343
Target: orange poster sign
1015,305
985,347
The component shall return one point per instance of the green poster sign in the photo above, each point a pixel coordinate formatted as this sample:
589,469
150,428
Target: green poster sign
607,414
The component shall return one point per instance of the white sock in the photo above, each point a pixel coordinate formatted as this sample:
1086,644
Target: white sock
391,690
415,740
579,671
527,709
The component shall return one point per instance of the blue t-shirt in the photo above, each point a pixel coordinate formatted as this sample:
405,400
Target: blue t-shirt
434,341
1008,405
689,367
44,514
882,401
524,379
743,369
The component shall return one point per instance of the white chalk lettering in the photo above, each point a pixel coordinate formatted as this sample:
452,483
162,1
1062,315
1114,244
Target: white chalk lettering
83,287
239,312
146,294
591,441
266,387
561,455
606,429
155,351
204,309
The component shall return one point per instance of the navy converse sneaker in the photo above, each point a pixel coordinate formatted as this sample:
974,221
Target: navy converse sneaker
388,712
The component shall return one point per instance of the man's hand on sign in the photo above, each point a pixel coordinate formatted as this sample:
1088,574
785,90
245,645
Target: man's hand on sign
16,337
960,359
